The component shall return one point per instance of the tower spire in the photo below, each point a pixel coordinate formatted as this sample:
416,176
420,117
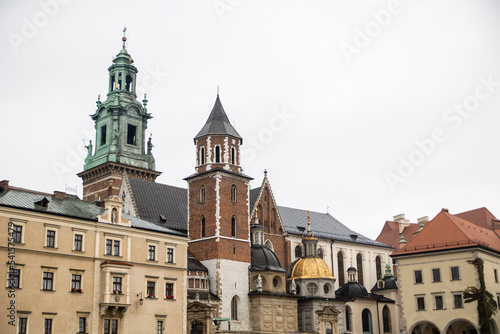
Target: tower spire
124,38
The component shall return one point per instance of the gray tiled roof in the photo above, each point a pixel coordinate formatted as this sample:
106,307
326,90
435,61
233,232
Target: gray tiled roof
69,207
323,225
254,193
218,123
160,203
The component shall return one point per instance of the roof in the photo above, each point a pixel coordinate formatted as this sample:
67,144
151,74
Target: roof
390,233
447,231
254,195
323,225
194,264
481,217
310,267
218,123
68,207
159,203
264,259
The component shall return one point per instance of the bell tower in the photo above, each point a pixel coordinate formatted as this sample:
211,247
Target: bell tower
120,145
218,218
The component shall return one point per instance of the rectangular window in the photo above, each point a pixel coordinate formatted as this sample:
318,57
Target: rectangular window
76,283
48,280
51,238
150,289
457,301
420,304
22,326
170,255
47,326
18,233
117,285
439,302
169,290
78,242
109,244
151,252
14,278
82,325
418,276
110,326
455,274
131,134
436,275
159,327
103,134
116,247
496,276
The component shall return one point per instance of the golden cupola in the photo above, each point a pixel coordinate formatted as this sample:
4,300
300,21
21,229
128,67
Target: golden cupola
311,265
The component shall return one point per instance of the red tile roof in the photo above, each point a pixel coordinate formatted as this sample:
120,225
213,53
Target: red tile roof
390,233
481,217
447,231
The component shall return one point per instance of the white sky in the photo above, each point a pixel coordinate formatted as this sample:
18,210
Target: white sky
354,117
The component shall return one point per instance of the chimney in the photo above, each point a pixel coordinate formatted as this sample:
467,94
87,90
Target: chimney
445,210
59,194
4,185
402,222
423,219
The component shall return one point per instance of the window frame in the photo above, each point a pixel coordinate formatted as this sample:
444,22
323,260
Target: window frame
132,140
440,297
455,295
169,287
153,252
151,288
418,278
202,193
455,274
25,329
170,253
22,224
110,323
234,194
19,268
82,234
48,318
51,228
417,304
113,240
52,279
117,284
436,275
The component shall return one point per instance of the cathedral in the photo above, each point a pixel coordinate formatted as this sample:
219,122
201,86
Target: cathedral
252,266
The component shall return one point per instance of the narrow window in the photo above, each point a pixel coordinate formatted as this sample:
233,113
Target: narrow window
104,129
359,262
439,302
386,319
150,289
420,304
76,283
418,276
82,325
170,255
151,252
112,82
203,227
298,251
14,278
436,275
233,193
128,83
109,244
48,280
457,300
366,320
348,319
202,156
116,248
234,308
47,327
455,274
233,227
496,276
18,233
320,253
131,134
51,238
110,326
340,264
22,326
378,267
78,242
202,194
117,285
159,327
233,158
217,154
169,290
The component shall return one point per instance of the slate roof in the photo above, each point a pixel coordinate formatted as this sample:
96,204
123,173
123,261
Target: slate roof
323,225
218,123
161,204
447,231
254,193
68,207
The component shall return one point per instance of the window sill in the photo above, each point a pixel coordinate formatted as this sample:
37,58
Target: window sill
48,247
19,243
78,251
149,260
439,309
422,310
170,262
119,256
48,290
172,299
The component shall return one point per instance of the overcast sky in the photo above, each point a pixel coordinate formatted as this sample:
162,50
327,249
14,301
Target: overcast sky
369,108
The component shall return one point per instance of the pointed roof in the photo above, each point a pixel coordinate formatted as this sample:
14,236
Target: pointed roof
481,217
447,231
218,123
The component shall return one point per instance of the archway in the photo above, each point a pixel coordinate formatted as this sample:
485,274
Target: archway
197,327
424,327
459,326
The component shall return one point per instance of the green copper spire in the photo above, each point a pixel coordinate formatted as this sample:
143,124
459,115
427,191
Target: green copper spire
121,120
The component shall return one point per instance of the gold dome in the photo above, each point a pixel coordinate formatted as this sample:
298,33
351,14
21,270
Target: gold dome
311,267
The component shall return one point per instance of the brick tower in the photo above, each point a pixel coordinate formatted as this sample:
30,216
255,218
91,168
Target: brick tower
218,218
120,145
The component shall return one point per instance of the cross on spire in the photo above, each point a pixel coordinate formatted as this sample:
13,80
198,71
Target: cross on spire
124,38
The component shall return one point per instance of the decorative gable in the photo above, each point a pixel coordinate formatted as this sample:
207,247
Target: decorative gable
113,214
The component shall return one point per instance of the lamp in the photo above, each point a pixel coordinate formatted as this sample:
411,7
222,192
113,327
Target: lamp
141,301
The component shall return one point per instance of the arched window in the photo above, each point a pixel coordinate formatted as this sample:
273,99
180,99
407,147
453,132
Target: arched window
269,244
340,264
359,267
320,252
233,227
203,232
128,83
386,319
233,157
378,267
328,328
298,252
348,320
233,193
202,194
366,319
217,154
202,156
234,308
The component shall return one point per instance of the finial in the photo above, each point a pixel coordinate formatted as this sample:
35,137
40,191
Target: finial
308,222
145,101
265,172
124,38
327,207
217,90
98,100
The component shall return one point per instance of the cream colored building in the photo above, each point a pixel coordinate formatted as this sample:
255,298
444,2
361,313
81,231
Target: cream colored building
433,272
82,268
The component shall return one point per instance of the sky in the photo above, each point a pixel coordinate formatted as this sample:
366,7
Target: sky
362,109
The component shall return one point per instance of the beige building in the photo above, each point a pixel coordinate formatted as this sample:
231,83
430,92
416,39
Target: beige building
433,272
72,266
